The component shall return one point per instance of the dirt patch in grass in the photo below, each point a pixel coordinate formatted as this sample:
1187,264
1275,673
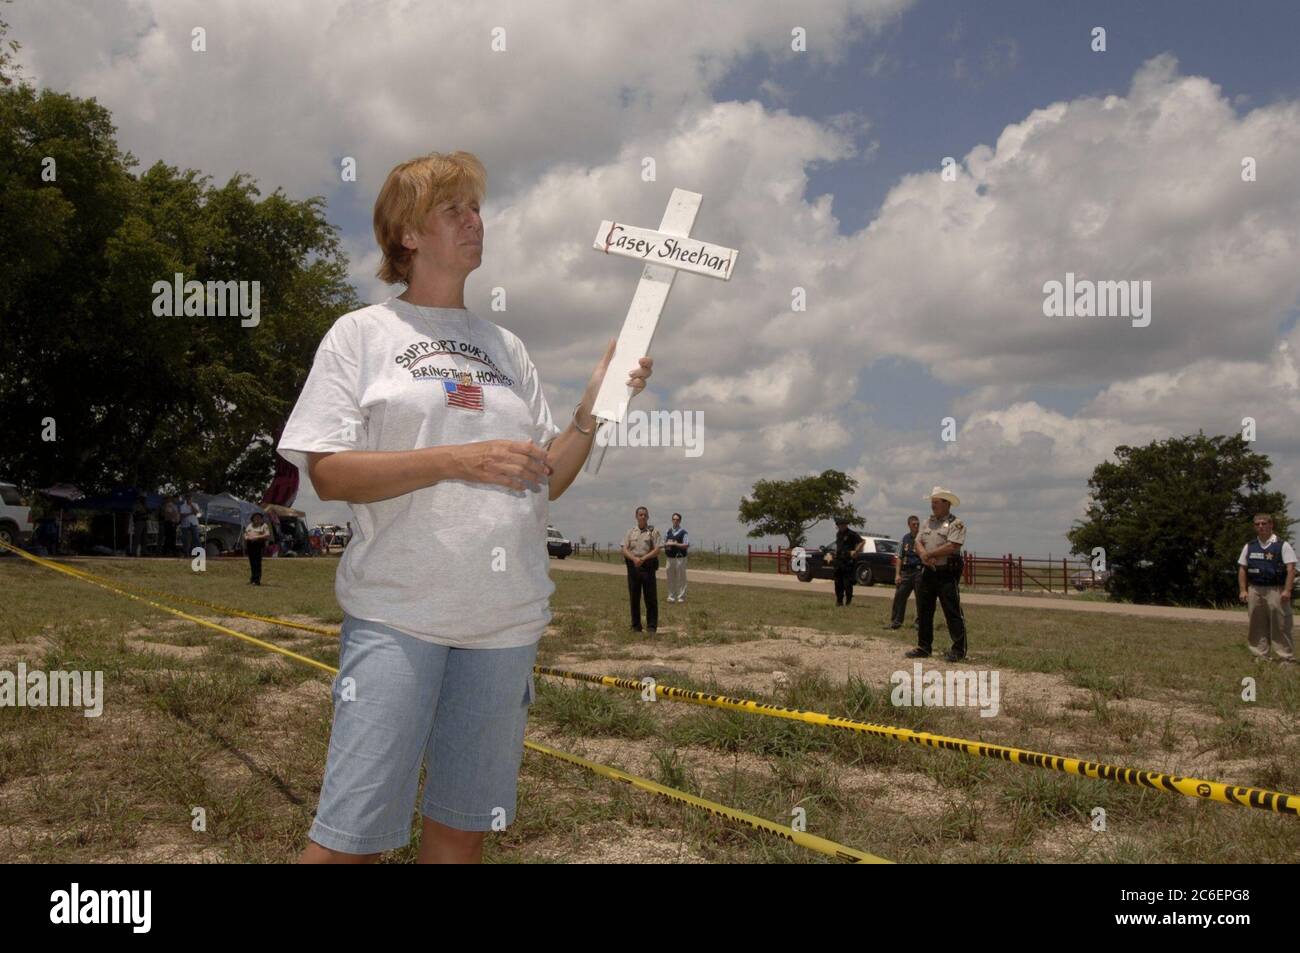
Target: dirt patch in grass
625,844
11,653
166,648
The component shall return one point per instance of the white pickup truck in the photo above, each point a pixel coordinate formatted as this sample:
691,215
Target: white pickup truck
15,518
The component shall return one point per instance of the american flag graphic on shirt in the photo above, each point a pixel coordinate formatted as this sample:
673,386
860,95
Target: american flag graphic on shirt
461,393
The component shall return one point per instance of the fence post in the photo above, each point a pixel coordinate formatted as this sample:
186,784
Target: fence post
1020,573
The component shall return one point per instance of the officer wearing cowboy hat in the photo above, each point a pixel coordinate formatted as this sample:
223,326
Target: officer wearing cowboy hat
939,544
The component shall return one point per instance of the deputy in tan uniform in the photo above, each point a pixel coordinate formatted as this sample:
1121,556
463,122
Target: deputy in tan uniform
641,548
939,544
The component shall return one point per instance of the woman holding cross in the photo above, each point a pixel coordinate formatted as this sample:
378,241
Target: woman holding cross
431,422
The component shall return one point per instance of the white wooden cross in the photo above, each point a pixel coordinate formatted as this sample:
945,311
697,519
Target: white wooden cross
666,252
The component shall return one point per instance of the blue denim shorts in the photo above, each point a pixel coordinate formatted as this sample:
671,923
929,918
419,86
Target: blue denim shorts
400,701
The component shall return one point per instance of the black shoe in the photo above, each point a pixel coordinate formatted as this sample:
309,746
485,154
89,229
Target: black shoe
916,653
636,628
839,603
953,657
892,625
654,630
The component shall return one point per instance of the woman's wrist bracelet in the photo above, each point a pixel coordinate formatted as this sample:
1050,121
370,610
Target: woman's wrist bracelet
585,433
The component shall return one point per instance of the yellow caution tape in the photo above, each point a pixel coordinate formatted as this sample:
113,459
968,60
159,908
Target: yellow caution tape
1192,787
802,838
1260,798
176,612
225,610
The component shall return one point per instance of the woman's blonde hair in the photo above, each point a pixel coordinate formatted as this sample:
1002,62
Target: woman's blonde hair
410,191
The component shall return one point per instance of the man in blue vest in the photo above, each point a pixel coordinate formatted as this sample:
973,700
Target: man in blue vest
909,568
1265,576
677,547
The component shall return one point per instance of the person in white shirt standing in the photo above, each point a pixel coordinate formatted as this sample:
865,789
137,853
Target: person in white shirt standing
677,546
431,423
1265,577
189,512
256,535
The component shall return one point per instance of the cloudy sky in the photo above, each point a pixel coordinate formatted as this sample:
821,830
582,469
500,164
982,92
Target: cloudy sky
924,293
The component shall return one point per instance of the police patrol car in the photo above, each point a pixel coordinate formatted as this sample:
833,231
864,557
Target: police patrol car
556,543
874,564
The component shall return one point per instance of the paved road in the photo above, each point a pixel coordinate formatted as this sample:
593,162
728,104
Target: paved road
1059,604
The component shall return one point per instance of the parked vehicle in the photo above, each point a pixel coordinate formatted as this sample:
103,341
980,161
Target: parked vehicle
292,536
223,521
556,543
1087,579
219,538
332,535
15,518
874,564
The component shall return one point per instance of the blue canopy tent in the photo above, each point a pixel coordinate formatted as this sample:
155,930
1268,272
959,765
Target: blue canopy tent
63,495
119,501
224,508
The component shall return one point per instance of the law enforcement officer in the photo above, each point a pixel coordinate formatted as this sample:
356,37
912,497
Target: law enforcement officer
939,547
641,548
847,546
1265,576
909,569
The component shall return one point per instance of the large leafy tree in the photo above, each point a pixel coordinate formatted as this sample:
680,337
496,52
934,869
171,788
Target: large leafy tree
790,507
1172,517
7,50
135,398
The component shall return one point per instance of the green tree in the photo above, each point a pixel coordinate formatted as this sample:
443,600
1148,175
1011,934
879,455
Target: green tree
136,398
7,50
1172,517
790,507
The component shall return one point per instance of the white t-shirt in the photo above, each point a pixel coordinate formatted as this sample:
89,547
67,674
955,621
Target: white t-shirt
1288,553
458,563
